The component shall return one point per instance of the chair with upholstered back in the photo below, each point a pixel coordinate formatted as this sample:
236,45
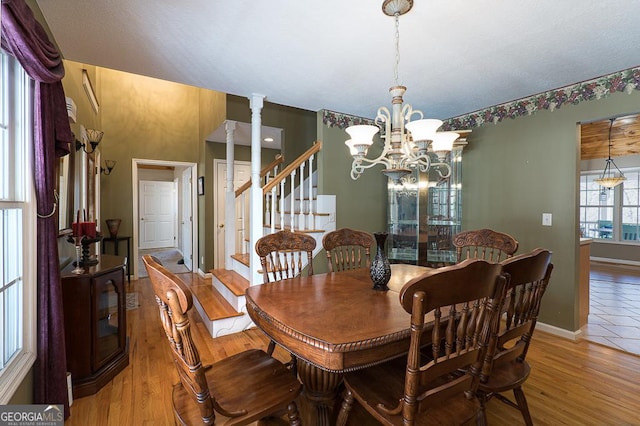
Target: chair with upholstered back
241,389
348,249
459,319
487,244
283,254
506,368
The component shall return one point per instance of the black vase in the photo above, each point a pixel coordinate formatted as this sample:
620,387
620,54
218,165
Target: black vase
380,268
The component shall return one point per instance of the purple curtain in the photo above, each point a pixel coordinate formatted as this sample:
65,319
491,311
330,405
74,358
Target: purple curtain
24,38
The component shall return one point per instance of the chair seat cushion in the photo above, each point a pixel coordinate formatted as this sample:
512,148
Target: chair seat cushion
251,381
384,384
506,376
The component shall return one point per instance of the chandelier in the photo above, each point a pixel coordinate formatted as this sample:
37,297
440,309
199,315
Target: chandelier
409,140
608,178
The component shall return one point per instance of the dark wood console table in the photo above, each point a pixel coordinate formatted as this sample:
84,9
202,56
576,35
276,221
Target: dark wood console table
95,323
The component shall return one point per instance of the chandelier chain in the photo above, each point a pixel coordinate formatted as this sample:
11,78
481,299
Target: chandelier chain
397,64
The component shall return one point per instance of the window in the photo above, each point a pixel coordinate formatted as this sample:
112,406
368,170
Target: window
610,214
17,228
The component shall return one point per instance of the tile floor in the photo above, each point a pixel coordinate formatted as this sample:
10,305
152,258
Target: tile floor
614,311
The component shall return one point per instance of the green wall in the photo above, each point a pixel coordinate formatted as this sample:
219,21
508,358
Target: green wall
144,118
518,169
360,204
512,173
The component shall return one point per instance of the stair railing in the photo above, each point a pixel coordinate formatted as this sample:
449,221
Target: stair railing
276,187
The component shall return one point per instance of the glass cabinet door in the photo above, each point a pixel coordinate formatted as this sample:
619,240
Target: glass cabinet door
424,213
108,308
444,209
404,219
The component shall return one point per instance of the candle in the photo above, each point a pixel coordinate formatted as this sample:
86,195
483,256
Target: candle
77,229
89,229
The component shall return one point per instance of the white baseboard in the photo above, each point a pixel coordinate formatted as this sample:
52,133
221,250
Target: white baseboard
616,261
560,332
203,274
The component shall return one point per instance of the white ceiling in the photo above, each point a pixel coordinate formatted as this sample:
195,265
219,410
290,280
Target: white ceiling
456,56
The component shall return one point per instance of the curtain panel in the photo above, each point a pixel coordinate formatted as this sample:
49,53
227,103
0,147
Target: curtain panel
25,39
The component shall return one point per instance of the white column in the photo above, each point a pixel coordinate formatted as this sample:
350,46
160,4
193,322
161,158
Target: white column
255,201
230,199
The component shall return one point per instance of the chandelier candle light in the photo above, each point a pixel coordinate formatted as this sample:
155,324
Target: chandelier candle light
407,144
608,178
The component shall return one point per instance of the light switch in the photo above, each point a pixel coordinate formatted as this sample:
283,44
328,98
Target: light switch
546,219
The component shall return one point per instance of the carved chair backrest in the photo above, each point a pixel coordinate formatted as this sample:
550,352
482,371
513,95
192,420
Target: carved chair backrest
174,301
529,276
282,253
348,249
486,244
466,316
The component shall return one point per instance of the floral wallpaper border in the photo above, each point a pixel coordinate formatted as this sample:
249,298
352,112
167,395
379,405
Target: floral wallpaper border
622,81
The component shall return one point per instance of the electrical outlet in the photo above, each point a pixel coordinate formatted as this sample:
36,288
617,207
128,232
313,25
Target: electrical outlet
202,260
546,219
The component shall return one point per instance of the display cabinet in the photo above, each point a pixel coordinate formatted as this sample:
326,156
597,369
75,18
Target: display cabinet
424,212
95,323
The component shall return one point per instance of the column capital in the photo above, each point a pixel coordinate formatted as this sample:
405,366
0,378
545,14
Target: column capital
256,101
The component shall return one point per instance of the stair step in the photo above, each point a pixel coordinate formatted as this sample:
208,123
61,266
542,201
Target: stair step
215,306
242,258
232,280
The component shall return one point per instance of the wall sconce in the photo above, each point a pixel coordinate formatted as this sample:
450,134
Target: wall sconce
109,165
94,136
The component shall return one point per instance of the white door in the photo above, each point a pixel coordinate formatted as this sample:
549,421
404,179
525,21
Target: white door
187,219
157,201
242,174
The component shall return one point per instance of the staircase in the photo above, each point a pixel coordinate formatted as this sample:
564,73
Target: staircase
222,303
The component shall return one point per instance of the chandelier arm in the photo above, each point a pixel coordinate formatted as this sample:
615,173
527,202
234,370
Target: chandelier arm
440,166
408,112
370,162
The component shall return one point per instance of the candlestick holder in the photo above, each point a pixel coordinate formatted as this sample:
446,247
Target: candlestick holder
77,270
85,242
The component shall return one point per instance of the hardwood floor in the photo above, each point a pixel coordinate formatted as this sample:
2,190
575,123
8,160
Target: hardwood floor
572,383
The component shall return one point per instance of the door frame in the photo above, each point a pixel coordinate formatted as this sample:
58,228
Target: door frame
135,162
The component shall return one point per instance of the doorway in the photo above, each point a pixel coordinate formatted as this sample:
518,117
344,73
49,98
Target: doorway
242,173
185,224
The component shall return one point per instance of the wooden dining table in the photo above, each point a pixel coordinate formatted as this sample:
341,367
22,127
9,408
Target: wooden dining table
333,323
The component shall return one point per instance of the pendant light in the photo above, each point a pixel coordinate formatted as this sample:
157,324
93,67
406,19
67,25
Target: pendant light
608,178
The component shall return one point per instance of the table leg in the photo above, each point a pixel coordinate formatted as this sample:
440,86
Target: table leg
321,390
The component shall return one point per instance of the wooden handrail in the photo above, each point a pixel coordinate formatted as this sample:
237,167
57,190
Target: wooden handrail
278,160
317,145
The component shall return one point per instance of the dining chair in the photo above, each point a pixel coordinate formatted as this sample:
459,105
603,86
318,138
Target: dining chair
283,253
487,244
440,388
282,256
237,390
348,249
506,367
